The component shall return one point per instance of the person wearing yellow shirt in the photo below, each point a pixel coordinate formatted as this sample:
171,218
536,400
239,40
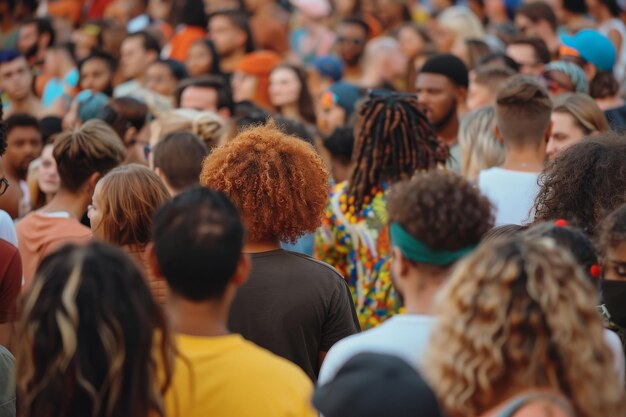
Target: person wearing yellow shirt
198,240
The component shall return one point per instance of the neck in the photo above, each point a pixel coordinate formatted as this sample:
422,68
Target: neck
524,159
604,15
607,103
14,174
229,62
24,105
290,111
206,318
553,44
256,247
74,204
448,133
419,296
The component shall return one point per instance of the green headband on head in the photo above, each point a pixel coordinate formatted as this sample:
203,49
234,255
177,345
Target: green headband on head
417,251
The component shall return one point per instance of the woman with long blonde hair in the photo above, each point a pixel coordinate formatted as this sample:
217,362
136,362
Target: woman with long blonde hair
518,330
479,147
123,204
91,338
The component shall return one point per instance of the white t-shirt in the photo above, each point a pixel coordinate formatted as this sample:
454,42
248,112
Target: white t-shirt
619,70
7,228
405,336
512,194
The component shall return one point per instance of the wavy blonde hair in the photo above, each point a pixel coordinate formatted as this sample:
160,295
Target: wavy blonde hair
479,147
518,315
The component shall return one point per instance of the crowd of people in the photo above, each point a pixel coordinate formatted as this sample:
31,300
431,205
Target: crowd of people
312,207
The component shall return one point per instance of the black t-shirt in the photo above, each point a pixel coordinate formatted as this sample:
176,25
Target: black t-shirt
616,118
294,306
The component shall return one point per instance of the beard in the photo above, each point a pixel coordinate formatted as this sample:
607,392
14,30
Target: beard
354,61
443,121
31,52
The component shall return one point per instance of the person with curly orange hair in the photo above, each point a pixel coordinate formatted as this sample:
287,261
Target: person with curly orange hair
393,141
292,305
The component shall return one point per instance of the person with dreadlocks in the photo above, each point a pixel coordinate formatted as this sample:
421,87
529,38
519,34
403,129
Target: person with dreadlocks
393,141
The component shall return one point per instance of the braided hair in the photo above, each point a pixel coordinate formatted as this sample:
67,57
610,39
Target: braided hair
3,130
393,140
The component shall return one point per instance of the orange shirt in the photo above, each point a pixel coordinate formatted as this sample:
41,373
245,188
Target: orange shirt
181,42
40,234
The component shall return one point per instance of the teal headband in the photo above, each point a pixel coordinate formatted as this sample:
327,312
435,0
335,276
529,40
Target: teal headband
417,251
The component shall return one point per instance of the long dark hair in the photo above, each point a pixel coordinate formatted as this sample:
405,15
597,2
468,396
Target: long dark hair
88,330
306,107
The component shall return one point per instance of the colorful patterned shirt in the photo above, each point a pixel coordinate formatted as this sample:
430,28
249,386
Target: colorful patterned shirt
358,246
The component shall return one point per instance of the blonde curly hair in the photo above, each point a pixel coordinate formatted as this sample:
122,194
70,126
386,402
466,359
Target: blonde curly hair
517,315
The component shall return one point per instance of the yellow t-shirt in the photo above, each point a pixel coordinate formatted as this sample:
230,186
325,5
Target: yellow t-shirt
228,376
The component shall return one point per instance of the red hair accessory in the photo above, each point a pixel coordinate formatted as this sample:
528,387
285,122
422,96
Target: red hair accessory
595,270
560,223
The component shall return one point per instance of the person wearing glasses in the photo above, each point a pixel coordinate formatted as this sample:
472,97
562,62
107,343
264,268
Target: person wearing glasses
353,34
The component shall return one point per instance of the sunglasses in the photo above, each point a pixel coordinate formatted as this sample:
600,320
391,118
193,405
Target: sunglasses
353,41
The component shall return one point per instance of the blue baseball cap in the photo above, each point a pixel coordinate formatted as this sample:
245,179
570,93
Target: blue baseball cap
344,95
329,66
592,46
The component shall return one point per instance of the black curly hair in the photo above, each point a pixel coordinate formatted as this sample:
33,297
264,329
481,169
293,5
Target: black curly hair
440,209
3,131
584,183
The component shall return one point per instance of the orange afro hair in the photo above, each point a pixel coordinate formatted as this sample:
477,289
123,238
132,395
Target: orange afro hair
278,182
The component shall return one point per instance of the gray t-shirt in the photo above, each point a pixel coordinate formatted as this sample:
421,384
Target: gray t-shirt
7,383
294,306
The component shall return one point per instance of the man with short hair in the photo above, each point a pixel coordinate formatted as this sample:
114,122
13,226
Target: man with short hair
231,34
485,81
178,160
83,156
217,373
523,109
441,88
24,144
531,54
16,81
35,37
352,33
206,93
424,252
537,19
138,51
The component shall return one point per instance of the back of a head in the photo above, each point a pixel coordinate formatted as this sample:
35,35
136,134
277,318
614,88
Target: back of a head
179,157
585,111
480,148
92,148
389,152
88,330
584,183
492,76
536,11
523,109
278,182
209,225
462,21
340,144
442,211
129,197
524,311
570,238
122,113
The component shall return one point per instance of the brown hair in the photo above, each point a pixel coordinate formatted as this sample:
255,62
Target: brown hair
612,231
587,115
523,109
440,209
542,54
585,183
92,148
278,182
179,157
492,76
130,195
538,10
